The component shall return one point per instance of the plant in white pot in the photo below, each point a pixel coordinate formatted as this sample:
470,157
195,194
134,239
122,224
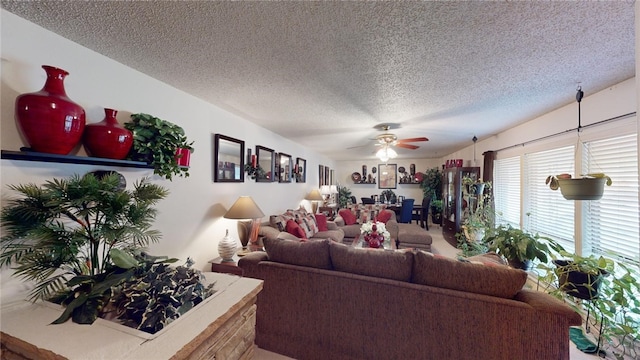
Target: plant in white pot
587,187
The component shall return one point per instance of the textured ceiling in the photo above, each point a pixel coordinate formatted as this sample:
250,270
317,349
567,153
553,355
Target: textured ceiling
323,74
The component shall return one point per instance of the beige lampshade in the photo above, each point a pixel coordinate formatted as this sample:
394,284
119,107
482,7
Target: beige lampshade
244,208
314,195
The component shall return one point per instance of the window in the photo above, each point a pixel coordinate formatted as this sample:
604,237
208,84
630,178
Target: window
506,184
611,223
548,213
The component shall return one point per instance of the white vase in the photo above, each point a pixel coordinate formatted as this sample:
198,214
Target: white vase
227,247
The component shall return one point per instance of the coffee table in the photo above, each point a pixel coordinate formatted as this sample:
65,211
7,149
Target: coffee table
359,242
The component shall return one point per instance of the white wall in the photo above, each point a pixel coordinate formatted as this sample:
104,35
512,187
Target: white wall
612,102
190,219
344,169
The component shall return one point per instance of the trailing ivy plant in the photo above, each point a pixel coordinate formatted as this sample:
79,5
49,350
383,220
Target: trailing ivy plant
62,235
155,142
160,295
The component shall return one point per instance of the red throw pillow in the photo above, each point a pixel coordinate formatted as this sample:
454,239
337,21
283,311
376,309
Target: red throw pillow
294,229
348,216
384,216
321,219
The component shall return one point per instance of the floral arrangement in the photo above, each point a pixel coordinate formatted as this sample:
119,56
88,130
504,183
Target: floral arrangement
375,234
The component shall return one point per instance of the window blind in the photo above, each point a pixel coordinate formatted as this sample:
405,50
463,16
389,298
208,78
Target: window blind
506,191
611,223
548,213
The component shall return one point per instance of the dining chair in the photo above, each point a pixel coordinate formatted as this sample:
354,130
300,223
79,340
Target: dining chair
406,210
421,214
366,200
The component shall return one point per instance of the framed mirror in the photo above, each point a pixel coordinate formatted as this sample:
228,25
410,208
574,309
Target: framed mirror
228,159
300,170
284,168
266,160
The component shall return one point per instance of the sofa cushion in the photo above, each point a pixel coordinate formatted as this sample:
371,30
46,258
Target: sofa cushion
321,220
305,220
308,253
348,216
439,271
395,265
384,216
294,229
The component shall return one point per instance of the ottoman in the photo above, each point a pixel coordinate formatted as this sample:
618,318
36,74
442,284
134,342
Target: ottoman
413,236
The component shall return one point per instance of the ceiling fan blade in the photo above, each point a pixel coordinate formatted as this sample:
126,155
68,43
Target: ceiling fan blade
413,139
357,146
407,146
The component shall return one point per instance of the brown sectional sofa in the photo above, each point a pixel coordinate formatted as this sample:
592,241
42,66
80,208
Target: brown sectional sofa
407,235
272,230
325,300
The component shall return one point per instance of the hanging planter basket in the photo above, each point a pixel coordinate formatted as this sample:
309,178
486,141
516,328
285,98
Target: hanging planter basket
577,283
582,189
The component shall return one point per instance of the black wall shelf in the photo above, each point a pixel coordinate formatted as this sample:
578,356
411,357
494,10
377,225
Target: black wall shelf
70,159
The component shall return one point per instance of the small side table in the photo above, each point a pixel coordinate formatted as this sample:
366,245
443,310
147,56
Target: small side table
226,267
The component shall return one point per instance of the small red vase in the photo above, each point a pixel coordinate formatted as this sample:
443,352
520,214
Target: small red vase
107,139
182,156
48,119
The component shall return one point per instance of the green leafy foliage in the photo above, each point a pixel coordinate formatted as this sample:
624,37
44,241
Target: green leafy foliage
155,142
160,295
431,184
344,196
68,227
516,244
617,304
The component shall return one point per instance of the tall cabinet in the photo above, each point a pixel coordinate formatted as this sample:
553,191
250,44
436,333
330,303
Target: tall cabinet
452,200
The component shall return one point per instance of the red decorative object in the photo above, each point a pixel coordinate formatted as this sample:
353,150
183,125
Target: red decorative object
48,119
107,139
183,156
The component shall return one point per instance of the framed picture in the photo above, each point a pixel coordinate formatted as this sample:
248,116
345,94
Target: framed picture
321,174
300,170
387,176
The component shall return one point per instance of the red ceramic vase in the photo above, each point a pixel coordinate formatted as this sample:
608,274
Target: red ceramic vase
107,139
48,119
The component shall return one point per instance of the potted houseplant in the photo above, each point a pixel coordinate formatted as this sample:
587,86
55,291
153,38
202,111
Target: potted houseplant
77,236
344,196
388,196
587,187
478,215
519,247
609,290
436,211
159,143
431,184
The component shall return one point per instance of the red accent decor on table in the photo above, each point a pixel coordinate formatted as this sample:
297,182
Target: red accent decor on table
108,139
48,119
183,156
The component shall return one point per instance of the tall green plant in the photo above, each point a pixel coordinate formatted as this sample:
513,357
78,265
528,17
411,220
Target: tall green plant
344,196
67,228
155,142
431,184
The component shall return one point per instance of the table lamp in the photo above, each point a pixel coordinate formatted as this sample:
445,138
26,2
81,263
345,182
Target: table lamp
325,190
314,196
243,209
334,190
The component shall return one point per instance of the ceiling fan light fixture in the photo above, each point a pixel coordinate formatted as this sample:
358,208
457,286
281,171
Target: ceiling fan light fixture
386,153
